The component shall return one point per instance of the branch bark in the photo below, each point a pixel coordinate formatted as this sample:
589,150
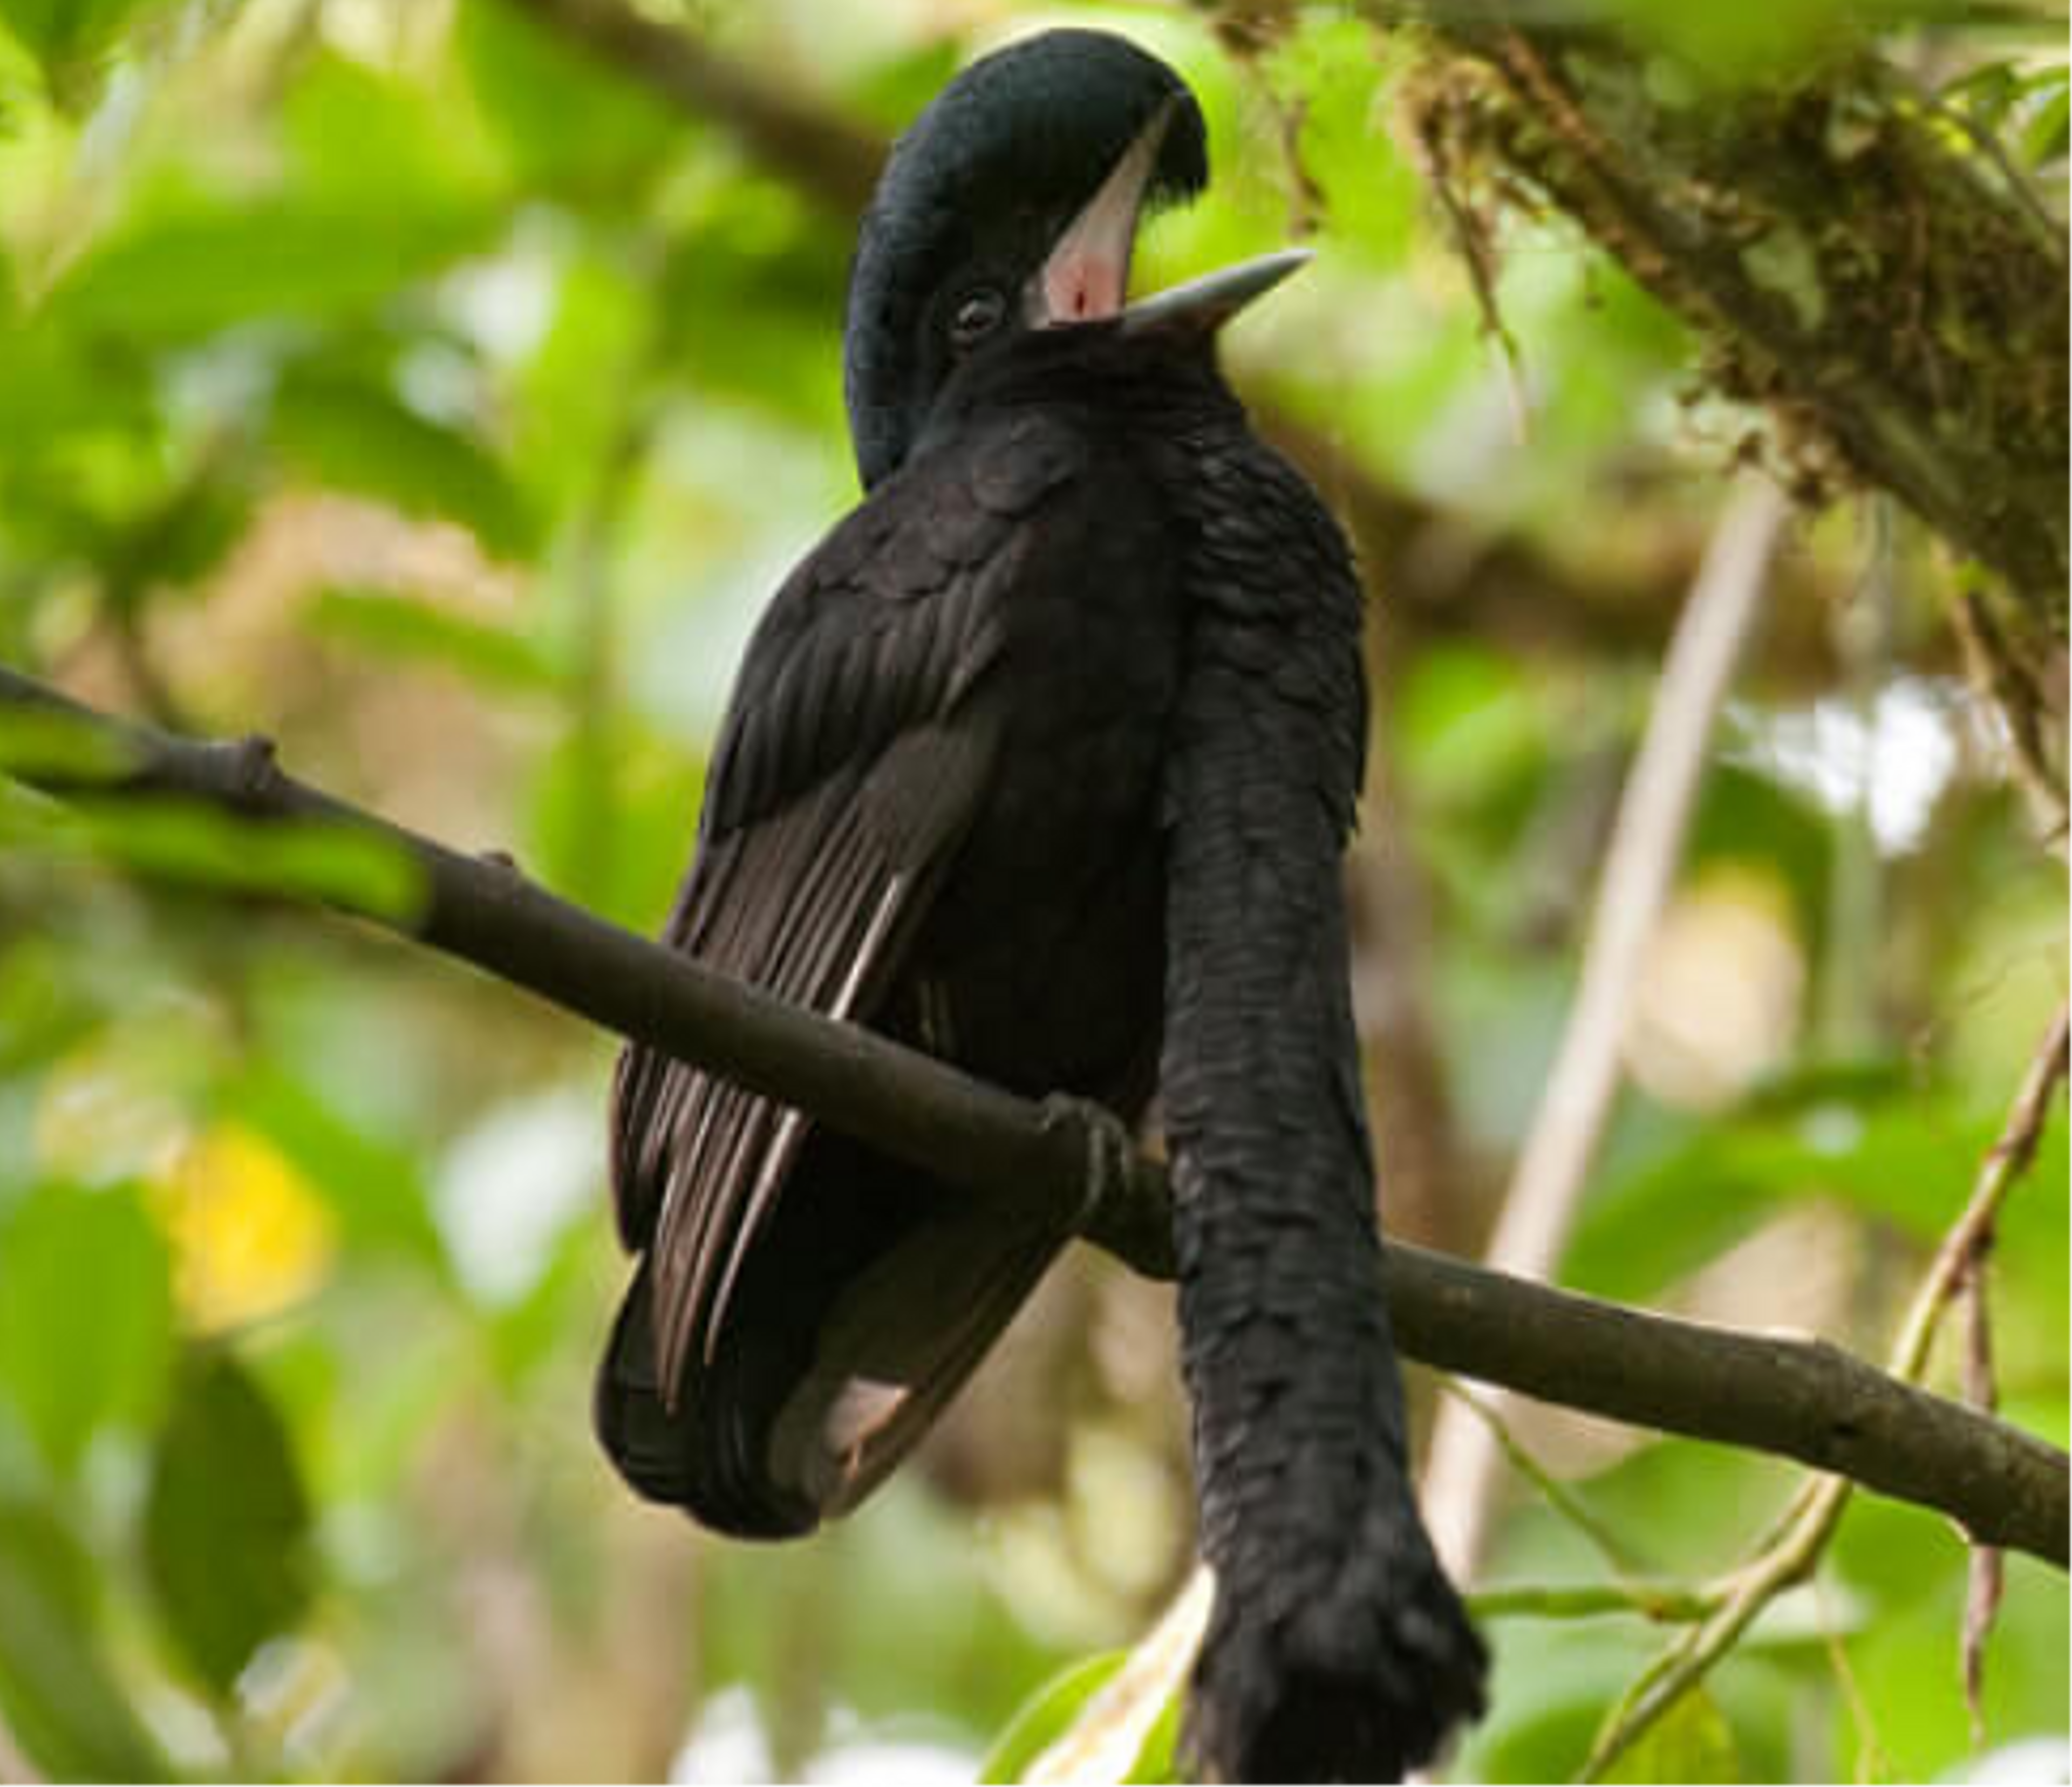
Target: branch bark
1802,1399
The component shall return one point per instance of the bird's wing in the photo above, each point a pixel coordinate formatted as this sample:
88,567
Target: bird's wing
857,747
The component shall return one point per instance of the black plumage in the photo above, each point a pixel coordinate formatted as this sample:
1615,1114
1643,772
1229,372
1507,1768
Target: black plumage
1043,761
1338,1649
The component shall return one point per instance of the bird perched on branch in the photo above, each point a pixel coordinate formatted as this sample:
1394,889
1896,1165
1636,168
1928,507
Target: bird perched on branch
1043,761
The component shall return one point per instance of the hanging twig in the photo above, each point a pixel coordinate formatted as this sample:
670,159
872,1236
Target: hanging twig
1647,844
1815,1511
2017,689
1986,1580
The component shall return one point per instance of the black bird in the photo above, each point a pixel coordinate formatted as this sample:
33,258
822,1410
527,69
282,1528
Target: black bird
1043,761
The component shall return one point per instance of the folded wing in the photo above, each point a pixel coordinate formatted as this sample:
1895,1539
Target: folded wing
804,1307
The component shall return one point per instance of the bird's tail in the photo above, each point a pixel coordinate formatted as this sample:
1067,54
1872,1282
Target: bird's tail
1338,1649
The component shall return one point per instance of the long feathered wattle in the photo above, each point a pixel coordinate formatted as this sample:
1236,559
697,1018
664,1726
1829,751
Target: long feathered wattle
1338,1649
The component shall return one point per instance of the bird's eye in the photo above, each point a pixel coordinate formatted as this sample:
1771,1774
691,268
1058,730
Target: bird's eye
978,314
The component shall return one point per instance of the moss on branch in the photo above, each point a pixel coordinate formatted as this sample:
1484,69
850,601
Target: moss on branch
1856,262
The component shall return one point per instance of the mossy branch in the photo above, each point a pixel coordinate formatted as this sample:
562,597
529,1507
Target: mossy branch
1852,260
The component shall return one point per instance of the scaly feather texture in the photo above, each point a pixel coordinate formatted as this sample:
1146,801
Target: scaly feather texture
1337,1651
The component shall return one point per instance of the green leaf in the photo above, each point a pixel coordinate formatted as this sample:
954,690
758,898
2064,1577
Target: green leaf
311,259
610,819
60,387
34,743
1117,1715
179,540
61,1700
567,121
53,28
1988,91
357,130
1691,1742
1328,75
754,254
1045,1715
71,40
191,843
1725,46
353,433
404,630
378,1190
1158,1762
227,1522
86,1321
2043,137
576,390
1866,1136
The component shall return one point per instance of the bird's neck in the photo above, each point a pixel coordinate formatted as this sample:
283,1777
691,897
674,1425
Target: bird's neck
1113,387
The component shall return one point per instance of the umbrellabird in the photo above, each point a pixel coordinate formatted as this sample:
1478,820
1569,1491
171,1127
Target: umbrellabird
1044,762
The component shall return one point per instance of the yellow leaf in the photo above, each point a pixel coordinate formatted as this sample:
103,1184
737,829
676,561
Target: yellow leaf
249,1236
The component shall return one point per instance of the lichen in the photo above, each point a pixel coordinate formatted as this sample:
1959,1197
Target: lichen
1782,261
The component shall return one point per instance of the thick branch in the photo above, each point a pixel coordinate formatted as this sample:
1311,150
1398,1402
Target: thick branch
1852,261
1802,1399
831,159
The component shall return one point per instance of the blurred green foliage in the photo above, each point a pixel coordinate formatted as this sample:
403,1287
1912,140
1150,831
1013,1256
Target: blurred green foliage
394,378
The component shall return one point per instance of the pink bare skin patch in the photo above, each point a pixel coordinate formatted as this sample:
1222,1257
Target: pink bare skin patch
1084,289
1087,276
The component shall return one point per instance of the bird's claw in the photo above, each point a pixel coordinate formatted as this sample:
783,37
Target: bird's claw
1125,1206
1109,1153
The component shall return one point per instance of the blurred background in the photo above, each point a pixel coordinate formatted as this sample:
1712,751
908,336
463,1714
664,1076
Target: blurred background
401,379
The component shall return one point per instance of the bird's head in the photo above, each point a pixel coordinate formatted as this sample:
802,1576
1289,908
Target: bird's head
1012,204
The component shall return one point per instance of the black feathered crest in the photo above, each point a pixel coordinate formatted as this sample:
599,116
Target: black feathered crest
1037,125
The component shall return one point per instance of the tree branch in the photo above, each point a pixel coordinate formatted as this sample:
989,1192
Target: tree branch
1461,1478
833,159
1851,265
1804,1399
1793,1550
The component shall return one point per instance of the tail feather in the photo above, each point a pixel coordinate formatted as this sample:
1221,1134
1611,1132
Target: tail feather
1337,1651
861,1310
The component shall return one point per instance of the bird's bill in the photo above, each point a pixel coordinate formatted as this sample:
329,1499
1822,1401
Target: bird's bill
1086,277
1203,306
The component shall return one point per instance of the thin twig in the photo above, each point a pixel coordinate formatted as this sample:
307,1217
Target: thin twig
1805,1399
1558,1496
806,141
1647,844
1987,1578
1817,1509
1664,1603
1872,1763
2012,683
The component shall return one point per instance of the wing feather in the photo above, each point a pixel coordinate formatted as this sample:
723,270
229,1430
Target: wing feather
857,750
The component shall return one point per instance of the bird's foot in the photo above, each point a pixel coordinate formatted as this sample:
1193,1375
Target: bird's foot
1125,1204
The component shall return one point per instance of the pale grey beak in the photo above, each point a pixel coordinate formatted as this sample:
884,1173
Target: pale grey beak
1202,306
1086,277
